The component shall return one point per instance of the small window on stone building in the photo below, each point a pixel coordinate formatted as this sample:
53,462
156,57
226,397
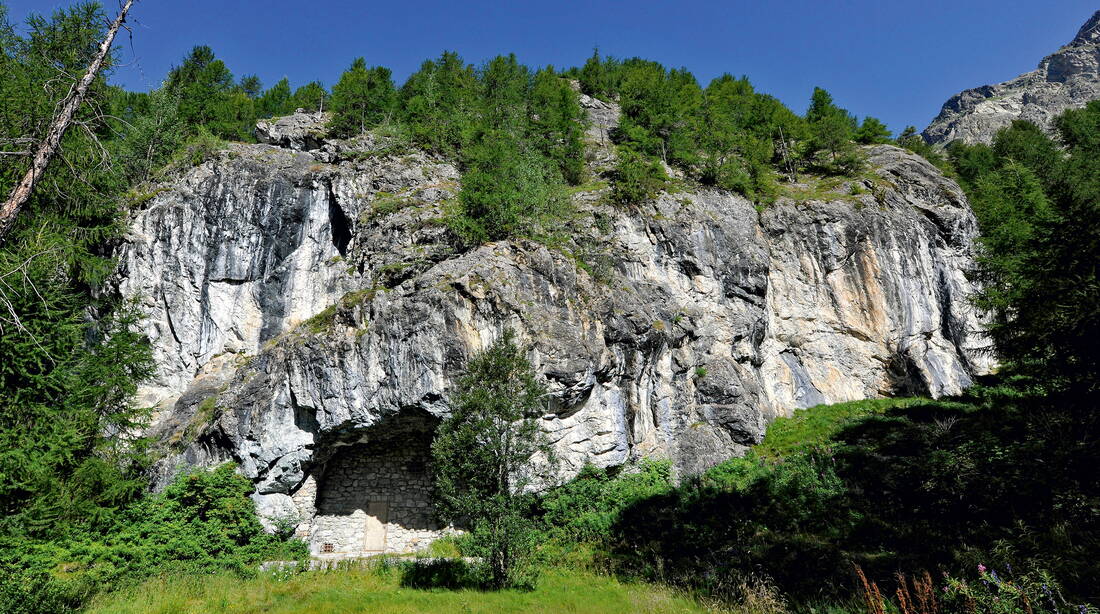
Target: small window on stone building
327,548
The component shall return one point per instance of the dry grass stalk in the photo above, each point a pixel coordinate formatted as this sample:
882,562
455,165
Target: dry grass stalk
761,597
921,599
872,596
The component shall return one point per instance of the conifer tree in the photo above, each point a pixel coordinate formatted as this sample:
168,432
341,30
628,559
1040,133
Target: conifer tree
439,104
251,86
872,132
276,100
482,456
66,378
362,98
310,98
831,131
505,86
508,189
594,79
203,85
557,124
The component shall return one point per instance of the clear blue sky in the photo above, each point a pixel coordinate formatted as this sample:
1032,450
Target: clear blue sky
896,60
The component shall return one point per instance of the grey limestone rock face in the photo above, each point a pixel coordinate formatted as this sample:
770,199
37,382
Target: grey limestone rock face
300,131
304,303
1067,79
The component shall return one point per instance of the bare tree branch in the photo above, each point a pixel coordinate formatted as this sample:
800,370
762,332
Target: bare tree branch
50,144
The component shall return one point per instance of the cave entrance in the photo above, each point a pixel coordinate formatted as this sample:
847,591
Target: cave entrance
375,495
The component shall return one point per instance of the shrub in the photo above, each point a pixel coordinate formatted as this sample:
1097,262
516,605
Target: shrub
1031,593
199,148
585,508
637,178
202,523
34,593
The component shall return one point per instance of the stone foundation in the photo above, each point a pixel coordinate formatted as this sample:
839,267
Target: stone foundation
371,498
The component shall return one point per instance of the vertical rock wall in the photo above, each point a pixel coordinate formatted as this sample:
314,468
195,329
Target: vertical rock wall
321,303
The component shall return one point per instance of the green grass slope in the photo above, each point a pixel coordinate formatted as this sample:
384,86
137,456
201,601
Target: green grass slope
378,591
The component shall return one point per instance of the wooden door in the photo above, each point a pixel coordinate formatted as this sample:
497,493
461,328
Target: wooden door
374,536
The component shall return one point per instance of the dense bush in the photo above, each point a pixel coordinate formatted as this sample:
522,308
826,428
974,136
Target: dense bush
23,592
585,508
202,523
893,485
507,190
925,487
637,178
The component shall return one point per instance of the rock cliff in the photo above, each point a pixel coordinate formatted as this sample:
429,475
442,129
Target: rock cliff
1067,79
309,309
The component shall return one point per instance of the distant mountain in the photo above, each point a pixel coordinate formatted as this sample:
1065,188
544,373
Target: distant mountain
1064,80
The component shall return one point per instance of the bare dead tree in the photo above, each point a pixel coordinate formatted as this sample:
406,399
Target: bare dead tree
48,148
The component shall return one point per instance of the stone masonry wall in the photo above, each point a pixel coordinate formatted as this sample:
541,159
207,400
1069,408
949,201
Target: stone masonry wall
388,480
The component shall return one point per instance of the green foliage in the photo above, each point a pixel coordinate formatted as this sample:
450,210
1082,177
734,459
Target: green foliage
1037,206
726,135
515,136
152,131
736,135
1027,144
209,97
912,140
203,523
66,377
364,97
310,97
505,88
275,101
872,132
482,457
636,178
1008,593
199,148
587,507
597,75
507,190
1012,205
884,491
34,593
438,103
971,161
251,86
557,124
831,132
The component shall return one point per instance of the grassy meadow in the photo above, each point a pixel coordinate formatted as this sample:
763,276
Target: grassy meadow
379,590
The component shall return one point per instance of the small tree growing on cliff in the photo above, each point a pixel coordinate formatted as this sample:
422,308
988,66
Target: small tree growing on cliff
482,455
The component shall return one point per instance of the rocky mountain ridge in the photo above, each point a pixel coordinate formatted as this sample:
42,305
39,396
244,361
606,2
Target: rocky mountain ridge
1066,79
310,309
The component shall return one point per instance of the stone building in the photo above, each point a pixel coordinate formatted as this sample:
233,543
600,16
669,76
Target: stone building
372,496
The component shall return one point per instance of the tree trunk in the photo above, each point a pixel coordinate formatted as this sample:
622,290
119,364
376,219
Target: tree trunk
49,145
